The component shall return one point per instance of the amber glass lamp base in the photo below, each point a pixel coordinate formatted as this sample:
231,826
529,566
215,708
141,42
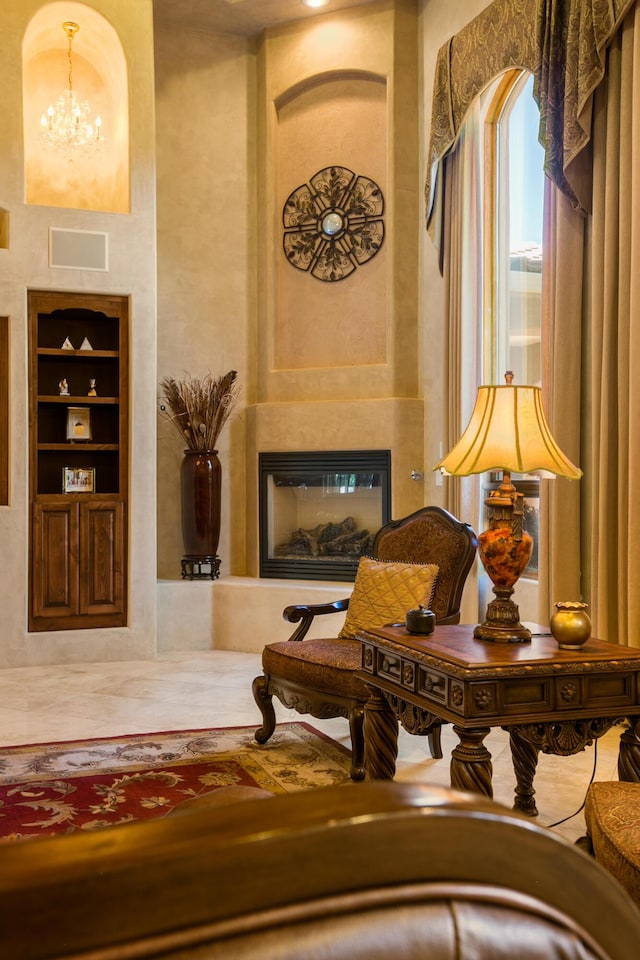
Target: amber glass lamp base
505,550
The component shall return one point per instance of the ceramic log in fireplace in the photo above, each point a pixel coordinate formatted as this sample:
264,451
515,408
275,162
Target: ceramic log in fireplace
319,511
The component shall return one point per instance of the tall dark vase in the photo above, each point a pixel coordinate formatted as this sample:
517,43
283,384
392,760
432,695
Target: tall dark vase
201,485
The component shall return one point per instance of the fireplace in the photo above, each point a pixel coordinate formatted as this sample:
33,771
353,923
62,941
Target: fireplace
319,511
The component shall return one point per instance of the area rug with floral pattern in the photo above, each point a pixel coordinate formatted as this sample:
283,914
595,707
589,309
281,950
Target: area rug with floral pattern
53,788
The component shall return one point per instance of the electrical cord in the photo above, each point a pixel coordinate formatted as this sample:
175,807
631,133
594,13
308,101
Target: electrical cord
581,807
550,826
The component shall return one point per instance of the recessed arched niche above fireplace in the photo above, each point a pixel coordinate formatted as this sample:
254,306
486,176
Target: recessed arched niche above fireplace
336,121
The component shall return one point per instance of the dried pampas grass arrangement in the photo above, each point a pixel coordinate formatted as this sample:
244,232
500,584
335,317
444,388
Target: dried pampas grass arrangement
199,408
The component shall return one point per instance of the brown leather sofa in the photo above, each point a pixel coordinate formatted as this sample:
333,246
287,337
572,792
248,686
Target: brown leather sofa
362,870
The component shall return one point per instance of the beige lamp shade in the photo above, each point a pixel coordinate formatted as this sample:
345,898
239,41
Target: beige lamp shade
508,431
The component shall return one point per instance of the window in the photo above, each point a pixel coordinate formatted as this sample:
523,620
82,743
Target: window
502,167
513,232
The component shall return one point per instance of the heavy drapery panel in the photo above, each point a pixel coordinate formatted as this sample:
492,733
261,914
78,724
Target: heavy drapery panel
560,502
563,43
572,36
500,38
611,363
591,312
462,298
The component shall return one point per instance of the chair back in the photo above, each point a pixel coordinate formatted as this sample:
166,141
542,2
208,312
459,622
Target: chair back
432,535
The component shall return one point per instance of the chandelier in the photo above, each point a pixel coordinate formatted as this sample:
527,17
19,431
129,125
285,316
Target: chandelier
66,125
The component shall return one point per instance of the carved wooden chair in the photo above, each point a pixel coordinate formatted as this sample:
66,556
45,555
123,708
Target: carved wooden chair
318,676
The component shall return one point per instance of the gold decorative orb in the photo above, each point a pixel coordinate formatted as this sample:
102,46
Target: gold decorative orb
570,624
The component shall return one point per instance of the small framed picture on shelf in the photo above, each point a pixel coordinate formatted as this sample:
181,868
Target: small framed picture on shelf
78,423
78,479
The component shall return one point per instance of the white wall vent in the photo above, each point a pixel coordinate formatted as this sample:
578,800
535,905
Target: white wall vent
78,249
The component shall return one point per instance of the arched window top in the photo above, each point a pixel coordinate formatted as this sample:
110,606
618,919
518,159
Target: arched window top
563,45
511,233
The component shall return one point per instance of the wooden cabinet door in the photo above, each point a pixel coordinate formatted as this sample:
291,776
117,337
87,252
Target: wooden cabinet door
101,557
78,578
55,559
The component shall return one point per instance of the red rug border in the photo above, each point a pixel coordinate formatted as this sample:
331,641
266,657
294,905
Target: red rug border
171,733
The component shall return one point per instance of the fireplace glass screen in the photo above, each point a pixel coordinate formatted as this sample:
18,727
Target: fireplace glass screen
319,511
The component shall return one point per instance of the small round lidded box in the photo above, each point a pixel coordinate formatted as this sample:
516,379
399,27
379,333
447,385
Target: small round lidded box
421,621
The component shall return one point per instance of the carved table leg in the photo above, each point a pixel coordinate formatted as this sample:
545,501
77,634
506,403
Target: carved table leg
471,767
356,727
380,738
525,760
629,756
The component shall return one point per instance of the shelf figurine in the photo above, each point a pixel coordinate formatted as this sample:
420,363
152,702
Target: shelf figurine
92,388
63,388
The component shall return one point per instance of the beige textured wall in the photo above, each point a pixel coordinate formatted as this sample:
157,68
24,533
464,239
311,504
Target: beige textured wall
209,130
340,90
205,102
225,298
24,265
380,41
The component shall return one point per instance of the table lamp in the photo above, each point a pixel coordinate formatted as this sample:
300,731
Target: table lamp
508,431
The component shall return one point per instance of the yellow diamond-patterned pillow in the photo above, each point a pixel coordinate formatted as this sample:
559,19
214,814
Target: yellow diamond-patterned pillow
385,590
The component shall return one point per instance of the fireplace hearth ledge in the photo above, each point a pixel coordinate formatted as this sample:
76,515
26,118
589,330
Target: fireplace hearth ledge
242,614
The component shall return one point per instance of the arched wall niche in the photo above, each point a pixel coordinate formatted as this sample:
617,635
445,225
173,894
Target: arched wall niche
334,118
100,181
319,79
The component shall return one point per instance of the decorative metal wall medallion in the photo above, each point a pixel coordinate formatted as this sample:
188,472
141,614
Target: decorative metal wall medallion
333,224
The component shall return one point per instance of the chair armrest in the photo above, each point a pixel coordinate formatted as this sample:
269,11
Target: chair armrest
306,613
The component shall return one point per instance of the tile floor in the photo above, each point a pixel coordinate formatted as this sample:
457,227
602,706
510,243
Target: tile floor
213,689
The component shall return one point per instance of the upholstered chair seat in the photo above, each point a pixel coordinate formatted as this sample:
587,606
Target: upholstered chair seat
424,557
319,664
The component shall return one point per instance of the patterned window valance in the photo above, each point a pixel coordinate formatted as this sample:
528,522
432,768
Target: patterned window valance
563,43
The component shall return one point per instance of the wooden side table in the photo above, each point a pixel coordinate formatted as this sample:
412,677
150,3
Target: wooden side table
550,700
